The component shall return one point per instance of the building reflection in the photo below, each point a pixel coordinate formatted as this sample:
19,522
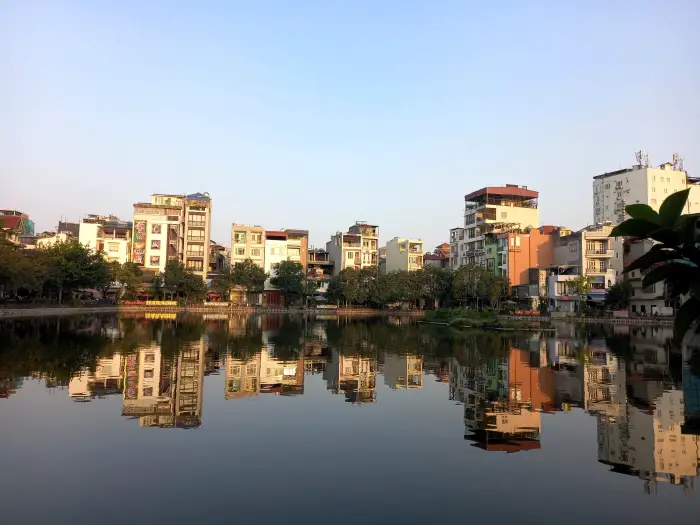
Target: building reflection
106,380
403,371
165,391
354,376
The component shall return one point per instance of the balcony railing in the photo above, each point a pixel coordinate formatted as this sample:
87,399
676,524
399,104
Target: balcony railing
195,254
600,253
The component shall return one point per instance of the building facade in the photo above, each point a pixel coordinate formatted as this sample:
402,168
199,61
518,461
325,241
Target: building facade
173,227
357,249
16,225
491,210
108,235
641,184
403,254
248,242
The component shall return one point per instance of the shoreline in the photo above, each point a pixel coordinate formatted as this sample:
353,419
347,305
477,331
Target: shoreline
52,311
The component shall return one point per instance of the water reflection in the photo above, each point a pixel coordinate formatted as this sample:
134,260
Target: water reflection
644,394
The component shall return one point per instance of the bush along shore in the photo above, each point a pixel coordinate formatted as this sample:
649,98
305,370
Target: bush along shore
481,319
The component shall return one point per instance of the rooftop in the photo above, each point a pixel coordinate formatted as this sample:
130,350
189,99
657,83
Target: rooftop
509,190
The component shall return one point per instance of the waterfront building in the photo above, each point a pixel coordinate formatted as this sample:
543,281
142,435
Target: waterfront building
357,249
173,227
491,210
108,235
403,254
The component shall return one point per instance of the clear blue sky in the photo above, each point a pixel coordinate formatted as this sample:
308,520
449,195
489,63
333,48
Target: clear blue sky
314,114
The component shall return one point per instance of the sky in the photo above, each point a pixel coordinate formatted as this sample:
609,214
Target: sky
316,114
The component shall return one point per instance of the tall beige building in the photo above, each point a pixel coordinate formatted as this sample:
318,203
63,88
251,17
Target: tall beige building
248,242
173,227
358,248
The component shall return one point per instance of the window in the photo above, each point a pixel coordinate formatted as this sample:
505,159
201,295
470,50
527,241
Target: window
155,260
148,391
195,265
665,190
155,245
148,373
113,246
149,358
234,385
251,370
196,217
240,251
294,252
471,233
255,238
239,237
653,190
470,219
195,250
255,252
351,255
155,228
195,235
235,370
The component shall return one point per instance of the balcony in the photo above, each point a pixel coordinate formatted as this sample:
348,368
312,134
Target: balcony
600,253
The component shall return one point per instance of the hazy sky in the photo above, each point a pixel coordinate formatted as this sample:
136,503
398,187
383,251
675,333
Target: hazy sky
314,114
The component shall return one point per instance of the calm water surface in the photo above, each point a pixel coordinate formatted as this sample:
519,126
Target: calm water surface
277,419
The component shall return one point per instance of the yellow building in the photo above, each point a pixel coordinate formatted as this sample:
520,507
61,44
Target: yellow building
403,371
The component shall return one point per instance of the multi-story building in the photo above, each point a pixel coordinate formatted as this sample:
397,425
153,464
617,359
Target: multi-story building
319,268
403,254
248,242
357,249
173,227
283,245
590,252
458,248
16,225
242,377
218,259
108,235
641,184
649,300
491,210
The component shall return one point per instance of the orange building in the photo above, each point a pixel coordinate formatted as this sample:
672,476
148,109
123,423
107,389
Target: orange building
516,253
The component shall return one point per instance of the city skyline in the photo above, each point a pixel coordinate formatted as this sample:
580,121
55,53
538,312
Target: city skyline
112,102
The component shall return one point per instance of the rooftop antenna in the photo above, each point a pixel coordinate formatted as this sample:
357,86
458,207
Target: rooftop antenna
642,159
677,162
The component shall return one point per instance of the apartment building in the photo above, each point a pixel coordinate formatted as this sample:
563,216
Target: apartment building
440,257
491,210
403,254
108,235
641,184
649,300
283,245
458,248
173,227
319,268
248,242
357,249
590,252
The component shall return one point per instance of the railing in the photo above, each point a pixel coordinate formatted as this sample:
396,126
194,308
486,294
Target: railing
600,253
195,254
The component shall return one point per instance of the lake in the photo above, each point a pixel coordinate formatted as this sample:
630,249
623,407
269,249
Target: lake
249,419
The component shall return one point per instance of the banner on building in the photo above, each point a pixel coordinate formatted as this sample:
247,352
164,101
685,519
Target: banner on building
139,251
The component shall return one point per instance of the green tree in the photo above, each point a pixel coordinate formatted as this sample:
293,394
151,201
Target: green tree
674,256
618,295
130,275
580,286
435,284
73,266
180,282
247,275
289,280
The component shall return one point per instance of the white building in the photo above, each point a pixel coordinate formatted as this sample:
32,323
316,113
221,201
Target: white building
357,249
173,227
640,184
275,253
403,254
107,235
